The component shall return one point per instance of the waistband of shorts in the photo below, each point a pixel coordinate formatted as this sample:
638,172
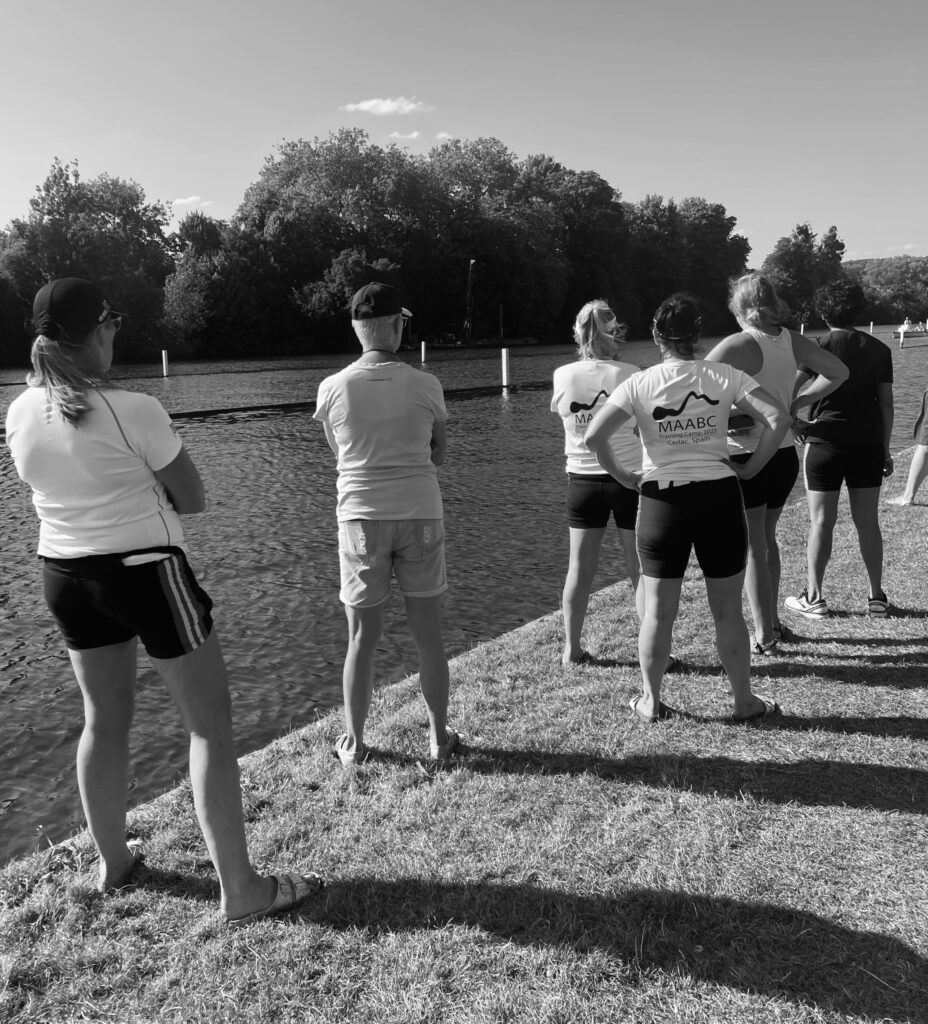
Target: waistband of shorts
657,487
82,563
593,478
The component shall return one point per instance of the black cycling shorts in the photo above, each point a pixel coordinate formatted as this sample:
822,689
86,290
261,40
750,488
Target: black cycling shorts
704,516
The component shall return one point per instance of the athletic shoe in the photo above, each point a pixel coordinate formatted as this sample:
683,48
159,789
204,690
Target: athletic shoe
878,607
811,609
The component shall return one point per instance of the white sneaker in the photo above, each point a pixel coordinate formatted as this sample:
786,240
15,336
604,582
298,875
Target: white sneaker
810,609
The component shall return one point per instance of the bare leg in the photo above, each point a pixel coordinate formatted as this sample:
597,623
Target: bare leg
365,626
424,617
757,575
732,641
823,514
865,503
633,567
774,567
918,471
199,687
584,558
661,601
106,676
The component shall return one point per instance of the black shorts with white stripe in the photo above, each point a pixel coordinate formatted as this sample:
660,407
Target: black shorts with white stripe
98,600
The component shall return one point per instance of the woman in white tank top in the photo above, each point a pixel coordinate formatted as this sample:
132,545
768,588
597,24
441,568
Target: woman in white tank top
773,355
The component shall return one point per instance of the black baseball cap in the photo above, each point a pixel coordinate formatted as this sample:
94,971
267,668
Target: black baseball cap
69,307
374,300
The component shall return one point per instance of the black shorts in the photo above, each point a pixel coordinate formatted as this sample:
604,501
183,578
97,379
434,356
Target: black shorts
773,483
825,466
97,601
706,516
592,499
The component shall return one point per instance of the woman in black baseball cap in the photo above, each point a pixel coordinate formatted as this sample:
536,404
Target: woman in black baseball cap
110,480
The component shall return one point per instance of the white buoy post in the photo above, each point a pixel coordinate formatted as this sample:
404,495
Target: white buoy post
505,355
422,357
802,328
871,327
164,362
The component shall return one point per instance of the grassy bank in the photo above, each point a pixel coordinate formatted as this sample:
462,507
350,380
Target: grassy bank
573,865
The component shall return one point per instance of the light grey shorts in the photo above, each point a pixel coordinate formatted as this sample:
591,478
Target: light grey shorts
371,551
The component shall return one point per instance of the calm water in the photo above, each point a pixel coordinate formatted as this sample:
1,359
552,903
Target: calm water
266,551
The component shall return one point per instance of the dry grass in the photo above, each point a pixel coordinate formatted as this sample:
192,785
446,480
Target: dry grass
572,866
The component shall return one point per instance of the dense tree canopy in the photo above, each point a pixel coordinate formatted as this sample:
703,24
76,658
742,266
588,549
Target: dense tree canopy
104,230
798,266
533,239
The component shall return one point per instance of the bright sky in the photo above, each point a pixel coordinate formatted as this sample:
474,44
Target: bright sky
783,111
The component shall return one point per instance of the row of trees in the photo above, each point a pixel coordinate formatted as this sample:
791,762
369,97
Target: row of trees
534,239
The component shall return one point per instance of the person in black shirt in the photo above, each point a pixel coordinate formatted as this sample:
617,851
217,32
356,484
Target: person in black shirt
847,441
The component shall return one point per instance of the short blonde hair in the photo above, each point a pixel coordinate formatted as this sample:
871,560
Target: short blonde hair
591,340
753,298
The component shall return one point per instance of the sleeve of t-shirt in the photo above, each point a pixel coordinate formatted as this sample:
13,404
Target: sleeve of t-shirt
436,399
322,402
151,433
744,384
886,366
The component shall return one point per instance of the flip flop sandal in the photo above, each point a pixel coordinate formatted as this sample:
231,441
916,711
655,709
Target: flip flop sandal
128,877
663,711
770,708
292,890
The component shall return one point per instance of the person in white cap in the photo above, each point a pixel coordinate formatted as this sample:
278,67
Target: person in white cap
386,423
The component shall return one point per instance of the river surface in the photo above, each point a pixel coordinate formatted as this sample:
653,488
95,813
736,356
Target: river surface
266,551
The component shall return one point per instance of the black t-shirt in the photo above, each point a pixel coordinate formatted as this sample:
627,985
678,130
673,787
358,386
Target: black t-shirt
851,415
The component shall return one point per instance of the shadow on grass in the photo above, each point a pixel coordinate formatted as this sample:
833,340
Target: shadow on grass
760,948
897,671
811,782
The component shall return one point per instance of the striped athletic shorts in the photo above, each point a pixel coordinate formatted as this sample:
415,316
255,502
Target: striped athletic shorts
99,600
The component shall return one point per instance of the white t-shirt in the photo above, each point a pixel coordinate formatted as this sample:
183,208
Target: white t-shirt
681,407
382,416
94,486
578,389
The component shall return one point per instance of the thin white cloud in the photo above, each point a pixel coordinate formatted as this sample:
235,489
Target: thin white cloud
443,135
408,135
384,107
191,201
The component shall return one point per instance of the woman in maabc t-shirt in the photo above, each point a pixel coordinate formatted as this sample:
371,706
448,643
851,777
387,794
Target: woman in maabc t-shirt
690,497
593,496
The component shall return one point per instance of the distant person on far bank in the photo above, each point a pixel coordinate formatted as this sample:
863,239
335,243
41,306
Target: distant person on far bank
593,496
386,422
846,441
110,480
772,355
